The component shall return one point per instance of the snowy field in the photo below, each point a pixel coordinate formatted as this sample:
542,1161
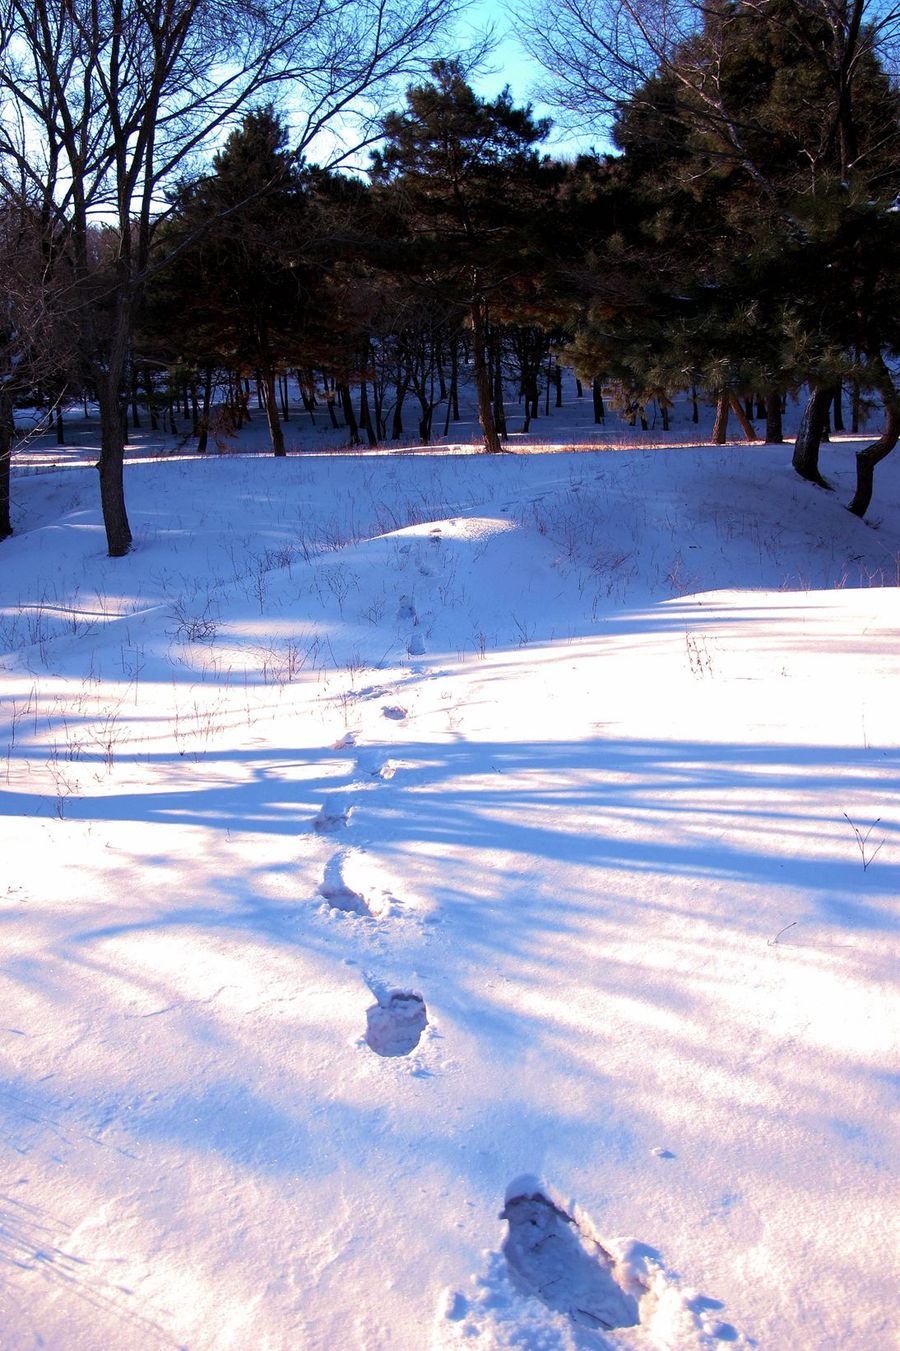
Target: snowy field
450,901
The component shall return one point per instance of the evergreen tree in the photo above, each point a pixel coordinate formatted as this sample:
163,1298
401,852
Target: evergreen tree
471,190
233,295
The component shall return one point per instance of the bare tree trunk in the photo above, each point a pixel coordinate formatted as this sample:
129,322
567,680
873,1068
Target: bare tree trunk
397,423
203,434
740,413
135,415
365,417
805,459
349,414
720,426
329,400
499,410
454,379
60,428
774,429
306,394
111,465
6,440
867,459
839,408
483,379
599,407
266,385
151,402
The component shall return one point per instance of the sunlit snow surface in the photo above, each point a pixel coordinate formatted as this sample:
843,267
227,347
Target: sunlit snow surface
450,902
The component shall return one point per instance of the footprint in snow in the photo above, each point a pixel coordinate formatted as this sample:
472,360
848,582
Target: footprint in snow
396,1023
416,645
395,712
407,610
551,1257
333,815
344,887
371,762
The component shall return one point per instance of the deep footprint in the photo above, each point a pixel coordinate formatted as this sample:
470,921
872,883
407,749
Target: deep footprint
333,815
550,1257
396,1023
343,888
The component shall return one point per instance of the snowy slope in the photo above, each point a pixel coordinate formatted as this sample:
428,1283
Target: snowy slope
396,842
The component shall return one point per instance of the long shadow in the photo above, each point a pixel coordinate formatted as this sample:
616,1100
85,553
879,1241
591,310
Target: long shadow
473,793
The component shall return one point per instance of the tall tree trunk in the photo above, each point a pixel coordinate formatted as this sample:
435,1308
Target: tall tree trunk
774,428
558,381
349,413
329,391
805,459
135,415
482,375
203,434
60,427
867,459
442,378
454,379
307,385
397,422
267,386
720,426
839,408
151,402
285,397
599,407
6,443
365,417
579,388
111,465
499,409
740,413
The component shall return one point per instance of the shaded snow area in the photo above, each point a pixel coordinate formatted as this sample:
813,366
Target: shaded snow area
449,901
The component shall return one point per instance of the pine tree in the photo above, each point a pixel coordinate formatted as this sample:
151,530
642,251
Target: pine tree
236,282
469,185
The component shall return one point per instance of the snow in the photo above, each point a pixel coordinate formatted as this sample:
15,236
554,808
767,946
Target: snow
450,901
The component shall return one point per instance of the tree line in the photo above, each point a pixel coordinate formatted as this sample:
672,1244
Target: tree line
740,242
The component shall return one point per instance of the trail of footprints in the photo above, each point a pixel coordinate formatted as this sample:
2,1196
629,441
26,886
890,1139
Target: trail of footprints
394,1025
548,1255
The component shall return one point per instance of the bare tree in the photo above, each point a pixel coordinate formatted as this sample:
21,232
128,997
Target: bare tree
599,55
37,344
104,102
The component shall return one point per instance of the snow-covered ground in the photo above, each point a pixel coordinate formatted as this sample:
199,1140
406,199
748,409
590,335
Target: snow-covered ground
449,901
